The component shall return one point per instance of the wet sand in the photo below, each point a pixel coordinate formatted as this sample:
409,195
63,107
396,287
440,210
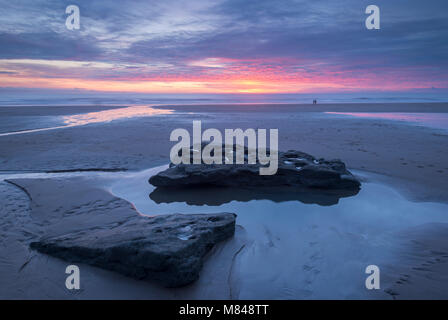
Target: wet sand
411,158
413,154
287,250
32,117
27,274
327,107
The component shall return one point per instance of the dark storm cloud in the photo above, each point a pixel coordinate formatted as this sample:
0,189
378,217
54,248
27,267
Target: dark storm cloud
266,29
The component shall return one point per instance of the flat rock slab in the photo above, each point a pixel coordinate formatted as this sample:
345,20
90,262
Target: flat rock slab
295,169
168,249
81,223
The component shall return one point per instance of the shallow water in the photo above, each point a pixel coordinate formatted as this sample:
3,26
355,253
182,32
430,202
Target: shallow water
298,250
431,120
94,117
293,250
113,114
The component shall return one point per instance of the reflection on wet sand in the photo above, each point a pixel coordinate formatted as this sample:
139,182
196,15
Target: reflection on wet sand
98,117
432,120
113,114
216,196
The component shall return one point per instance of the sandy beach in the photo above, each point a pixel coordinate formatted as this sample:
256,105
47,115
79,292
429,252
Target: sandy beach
413,153
251,153
103,165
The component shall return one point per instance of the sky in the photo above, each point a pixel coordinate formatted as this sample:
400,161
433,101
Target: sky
224,46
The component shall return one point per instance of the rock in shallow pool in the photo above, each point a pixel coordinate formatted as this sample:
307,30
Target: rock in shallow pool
168,249
295,169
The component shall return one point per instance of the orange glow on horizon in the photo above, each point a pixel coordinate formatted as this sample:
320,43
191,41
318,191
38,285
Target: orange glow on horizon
212,75
263,86
158,86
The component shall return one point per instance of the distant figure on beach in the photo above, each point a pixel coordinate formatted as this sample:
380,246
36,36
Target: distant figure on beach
314,101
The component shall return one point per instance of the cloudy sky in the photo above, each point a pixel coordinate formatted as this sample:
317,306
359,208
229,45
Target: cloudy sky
224,46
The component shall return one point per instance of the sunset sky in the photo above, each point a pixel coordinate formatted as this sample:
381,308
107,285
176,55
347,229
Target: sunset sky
224,46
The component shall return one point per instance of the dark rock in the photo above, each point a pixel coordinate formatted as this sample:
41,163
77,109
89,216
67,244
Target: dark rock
168,249
295,168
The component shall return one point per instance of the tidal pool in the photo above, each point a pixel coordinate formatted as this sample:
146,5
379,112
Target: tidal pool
294,250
